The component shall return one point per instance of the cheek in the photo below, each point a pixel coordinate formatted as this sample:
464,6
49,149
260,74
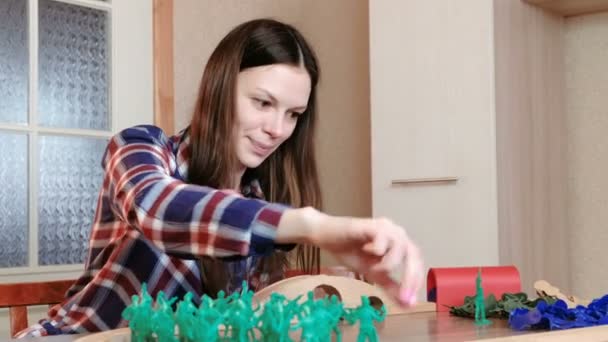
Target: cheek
246,118
291,127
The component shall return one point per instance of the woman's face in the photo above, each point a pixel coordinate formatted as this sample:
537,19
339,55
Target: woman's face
269,100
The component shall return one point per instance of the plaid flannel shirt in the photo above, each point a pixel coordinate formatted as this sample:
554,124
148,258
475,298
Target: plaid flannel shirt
151,226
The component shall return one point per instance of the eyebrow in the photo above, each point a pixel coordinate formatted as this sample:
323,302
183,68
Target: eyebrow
274,99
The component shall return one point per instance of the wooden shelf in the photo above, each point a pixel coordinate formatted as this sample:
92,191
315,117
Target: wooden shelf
568,8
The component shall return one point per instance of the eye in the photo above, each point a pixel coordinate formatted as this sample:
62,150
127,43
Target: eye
262,103
295,115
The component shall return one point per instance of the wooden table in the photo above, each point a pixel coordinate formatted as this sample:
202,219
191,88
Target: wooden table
427,326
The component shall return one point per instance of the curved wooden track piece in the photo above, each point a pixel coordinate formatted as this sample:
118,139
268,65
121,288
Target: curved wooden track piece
349,290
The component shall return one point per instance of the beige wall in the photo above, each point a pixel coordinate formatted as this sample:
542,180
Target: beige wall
338,31
551,86
530,121
586,71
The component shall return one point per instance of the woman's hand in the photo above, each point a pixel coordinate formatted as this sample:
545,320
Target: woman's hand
376,248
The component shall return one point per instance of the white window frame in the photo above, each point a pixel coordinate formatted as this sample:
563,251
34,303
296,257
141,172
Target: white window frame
131,103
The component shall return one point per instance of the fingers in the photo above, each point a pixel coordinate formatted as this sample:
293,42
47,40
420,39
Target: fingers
390,286
393,258
412,276
378,246
392,243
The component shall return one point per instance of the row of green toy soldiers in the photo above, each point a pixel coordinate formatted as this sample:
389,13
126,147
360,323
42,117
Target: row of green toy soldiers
316,319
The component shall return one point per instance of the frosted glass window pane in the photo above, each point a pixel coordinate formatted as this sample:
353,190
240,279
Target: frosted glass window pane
70,179
13,200
73,66
13,61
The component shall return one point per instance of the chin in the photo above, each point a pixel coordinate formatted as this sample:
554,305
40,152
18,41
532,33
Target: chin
251,162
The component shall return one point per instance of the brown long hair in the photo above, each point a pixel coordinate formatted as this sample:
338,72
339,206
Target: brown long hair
289,175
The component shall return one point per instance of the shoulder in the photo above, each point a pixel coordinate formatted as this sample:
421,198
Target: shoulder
140,139
142,134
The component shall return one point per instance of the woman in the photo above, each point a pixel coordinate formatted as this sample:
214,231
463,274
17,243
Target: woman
235,190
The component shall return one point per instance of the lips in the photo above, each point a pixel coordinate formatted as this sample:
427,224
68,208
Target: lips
259,148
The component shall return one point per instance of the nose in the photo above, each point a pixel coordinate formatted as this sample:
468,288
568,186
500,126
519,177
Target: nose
274,125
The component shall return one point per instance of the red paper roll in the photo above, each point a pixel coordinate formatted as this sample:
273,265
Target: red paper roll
449,285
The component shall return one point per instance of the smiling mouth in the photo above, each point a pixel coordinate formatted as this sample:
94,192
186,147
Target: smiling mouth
260,148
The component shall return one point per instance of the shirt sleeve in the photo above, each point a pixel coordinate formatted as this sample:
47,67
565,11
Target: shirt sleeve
178,217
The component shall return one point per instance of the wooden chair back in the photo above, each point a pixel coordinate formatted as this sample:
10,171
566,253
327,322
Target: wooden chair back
18,296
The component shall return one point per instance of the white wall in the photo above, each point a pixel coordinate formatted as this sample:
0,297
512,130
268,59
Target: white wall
432,100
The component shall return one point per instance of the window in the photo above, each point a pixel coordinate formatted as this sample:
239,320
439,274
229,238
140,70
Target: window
72,74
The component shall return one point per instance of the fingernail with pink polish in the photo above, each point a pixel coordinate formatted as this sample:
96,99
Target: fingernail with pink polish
405,296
